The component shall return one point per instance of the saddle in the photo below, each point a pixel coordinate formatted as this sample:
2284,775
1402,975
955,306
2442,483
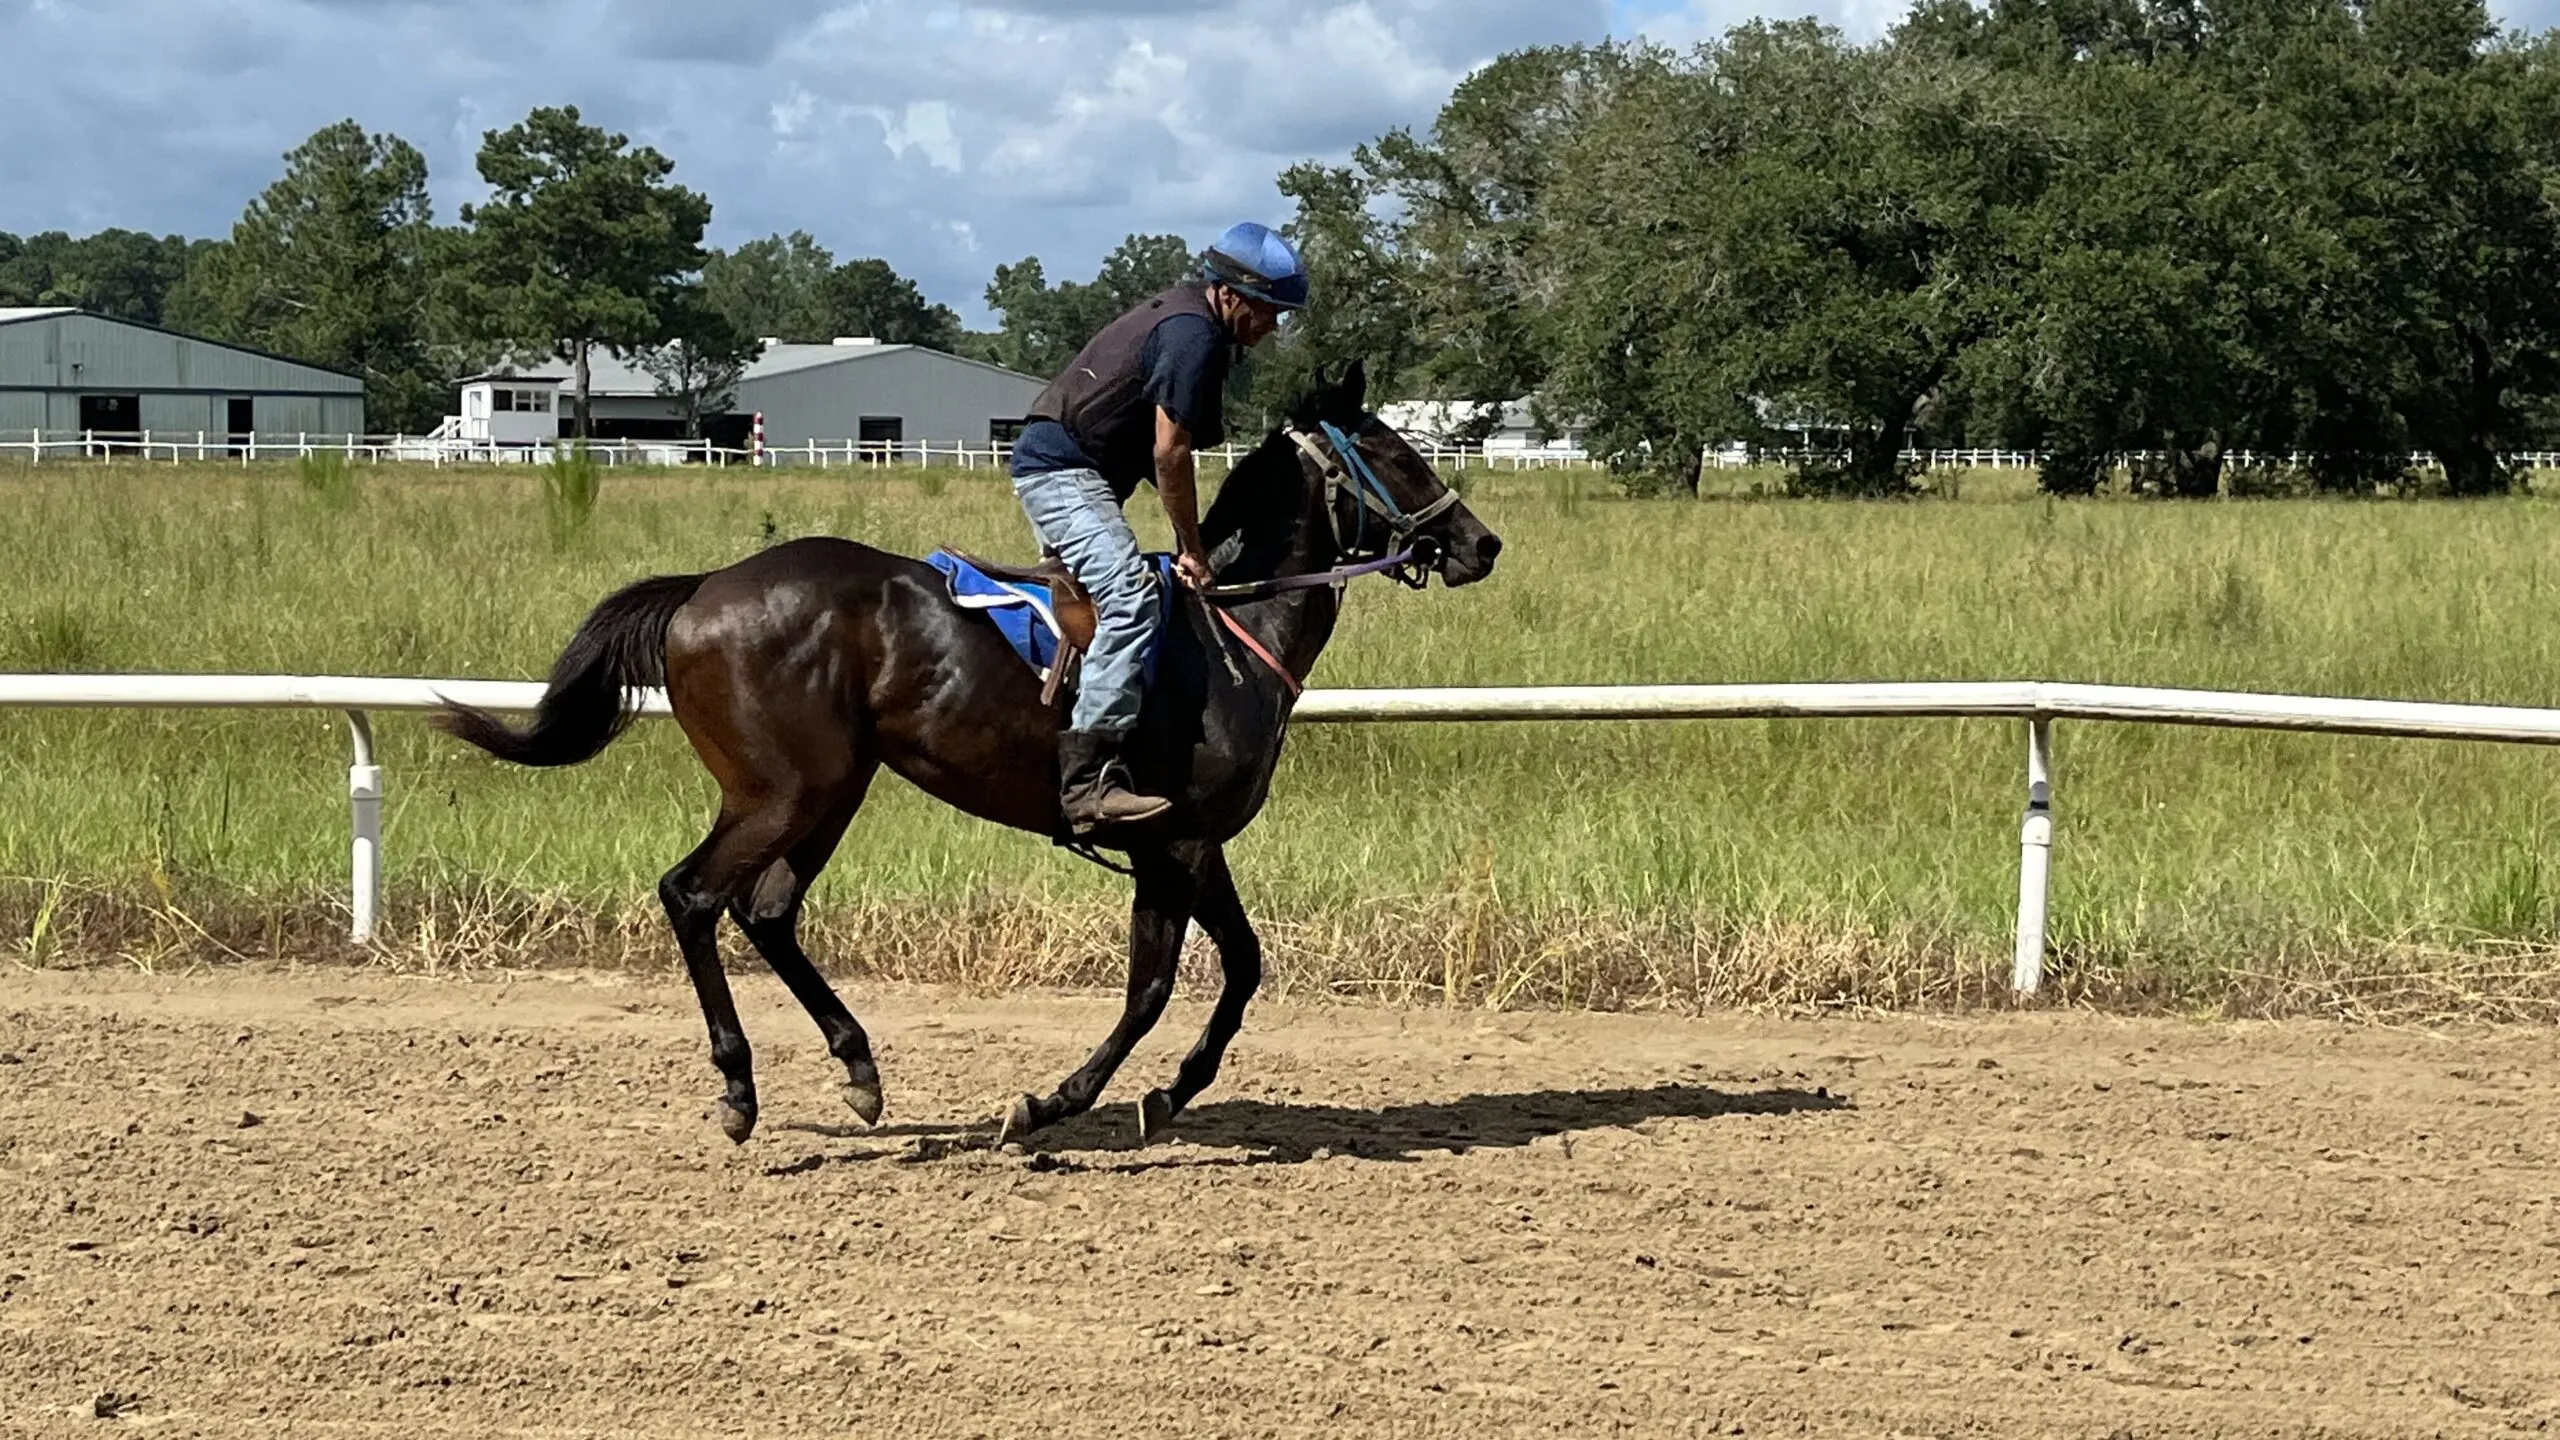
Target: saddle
1069,606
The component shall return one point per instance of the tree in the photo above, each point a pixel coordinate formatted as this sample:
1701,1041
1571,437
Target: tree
1471,202
121,273
330,265
867,297
1782,232
583,244
1139,269
1043,326
1033,333
2452,149
772,288
701,362
1359,304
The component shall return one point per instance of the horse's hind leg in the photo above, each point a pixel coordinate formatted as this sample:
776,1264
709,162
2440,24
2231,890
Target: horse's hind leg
742,843
1156,925
1222,915
770,916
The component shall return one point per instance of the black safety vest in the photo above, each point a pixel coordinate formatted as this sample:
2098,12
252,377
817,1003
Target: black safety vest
1101,396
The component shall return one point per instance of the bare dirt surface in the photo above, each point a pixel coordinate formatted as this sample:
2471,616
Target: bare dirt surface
340,1204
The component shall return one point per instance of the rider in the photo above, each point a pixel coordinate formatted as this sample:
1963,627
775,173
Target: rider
1132,406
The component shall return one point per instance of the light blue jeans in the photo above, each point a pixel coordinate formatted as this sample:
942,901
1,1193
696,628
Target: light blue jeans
1078,519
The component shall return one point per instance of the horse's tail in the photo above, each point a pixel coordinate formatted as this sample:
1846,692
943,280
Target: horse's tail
620,649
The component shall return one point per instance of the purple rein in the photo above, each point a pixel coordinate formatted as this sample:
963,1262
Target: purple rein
1233,594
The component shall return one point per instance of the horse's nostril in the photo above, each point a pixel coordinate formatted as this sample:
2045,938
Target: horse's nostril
1489,547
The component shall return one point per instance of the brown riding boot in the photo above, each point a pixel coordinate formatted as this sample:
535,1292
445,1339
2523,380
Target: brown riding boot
1093,786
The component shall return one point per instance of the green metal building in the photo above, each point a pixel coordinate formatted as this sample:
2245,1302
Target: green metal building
65,372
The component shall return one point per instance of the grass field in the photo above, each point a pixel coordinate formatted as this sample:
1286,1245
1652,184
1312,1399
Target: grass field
1693,863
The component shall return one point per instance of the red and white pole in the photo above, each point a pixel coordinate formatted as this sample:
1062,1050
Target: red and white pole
757,457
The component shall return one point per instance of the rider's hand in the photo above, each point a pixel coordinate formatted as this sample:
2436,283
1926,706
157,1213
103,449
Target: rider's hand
1193,567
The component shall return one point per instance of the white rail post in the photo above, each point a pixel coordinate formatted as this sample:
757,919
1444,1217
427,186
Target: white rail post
2035,858
364,795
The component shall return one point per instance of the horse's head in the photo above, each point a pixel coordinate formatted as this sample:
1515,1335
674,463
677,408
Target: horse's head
1381,495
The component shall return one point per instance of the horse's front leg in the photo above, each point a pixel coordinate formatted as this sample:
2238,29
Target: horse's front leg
1222,915
1167,880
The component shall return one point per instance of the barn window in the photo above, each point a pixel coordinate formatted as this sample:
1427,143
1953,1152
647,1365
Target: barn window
117,414
1004,432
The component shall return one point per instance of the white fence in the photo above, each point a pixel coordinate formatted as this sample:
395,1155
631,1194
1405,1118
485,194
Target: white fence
40,445
146,446
2037,703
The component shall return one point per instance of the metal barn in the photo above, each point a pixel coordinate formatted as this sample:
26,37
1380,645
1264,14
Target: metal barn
853,389
65,372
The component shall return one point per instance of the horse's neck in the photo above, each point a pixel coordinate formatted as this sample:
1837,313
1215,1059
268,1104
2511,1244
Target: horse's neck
1297,624
1285,533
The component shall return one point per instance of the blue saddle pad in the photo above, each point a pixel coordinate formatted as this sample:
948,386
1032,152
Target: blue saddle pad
1021,610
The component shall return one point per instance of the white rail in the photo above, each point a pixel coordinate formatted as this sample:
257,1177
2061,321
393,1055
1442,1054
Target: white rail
2038,703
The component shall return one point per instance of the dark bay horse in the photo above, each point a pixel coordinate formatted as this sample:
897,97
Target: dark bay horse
800,671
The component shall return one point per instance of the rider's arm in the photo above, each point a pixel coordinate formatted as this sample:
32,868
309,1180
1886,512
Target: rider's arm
1177,480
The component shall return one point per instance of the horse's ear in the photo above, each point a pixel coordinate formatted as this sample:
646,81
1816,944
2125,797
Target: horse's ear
1352,391
1316,403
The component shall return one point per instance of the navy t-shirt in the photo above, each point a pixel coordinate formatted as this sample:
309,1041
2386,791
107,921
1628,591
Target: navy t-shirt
1185,359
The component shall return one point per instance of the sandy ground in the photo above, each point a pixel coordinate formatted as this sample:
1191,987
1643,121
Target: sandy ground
339,1204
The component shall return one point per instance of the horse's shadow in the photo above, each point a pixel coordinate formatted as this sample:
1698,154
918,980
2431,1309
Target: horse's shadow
1276,1132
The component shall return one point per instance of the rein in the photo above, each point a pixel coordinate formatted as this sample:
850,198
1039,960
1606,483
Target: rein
1259,589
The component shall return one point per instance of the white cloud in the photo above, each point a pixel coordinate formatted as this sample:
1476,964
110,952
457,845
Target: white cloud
925,127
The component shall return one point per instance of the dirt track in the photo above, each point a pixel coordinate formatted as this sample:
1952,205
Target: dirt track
500,1207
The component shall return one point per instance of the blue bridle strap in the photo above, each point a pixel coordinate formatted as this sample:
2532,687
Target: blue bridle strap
1358,464
1345,468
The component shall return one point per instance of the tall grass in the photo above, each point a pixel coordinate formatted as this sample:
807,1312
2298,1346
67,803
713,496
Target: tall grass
571,480
1817,861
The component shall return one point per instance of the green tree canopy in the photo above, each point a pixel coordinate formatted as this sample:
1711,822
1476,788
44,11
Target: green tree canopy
585,243
2171,229
771,288
122,273
867,297
330,265
1044,325
789,288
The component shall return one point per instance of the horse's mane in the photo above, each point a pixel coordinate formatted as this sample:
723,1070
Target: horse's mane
1252,515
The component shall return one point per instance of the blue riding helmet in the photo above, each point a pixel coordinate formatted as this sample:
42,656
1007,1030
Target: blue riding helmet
1253,260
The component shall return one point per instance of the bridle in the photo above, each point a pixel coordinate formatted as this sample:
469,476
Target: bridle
1401,553
1346,471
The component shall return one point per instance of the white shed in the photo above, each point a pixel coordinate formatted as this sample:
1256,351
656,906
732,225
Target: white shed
1514,427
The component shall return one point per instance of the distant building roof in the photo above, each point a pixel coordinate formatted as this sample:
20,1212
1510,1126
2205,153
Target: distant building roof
608,374
11,315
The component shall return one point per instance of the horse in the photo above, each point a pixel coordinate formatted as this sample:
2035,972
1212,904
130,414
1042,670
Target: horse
799,671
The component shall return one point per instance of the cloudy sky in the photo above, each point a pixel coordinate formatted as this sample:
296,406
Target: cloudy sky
945,137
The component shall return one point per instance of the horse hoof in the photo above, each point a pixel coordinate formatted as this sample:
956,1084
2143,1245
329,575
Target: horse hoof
737,1124
865,1100
1019,1120
1155,1116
